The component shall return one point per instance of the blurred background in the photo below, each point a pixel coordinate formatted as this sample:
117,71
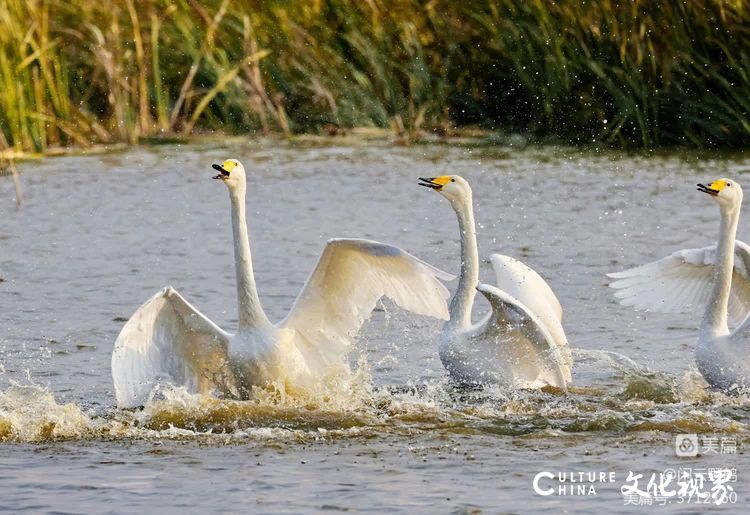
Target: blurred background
634,73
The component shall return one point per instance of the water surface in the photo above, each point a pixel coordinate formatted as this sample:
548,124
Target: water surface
98,235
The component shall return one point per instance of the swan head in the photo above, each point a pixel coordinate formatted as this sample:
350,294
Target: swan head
726,192
453,187
231,172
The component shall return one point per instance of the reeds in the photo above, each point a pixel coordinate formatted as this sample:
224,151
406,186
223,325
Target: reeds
627,73
640,72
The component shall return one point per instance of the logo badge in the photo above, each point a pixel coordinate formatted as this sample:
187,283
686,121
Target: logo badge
686,446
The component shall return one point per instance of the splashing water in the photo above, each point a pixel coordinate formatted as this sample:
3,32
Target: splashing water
623,397
399,425
31,414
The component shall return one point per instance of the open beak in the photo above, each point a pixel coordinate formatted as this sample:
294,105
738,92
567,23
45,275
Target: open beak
708,189
223,174
429,182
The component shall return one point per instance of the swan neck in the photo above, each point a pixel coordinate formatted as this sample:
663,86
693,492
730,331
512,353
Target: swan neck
715,320
250,311
463,299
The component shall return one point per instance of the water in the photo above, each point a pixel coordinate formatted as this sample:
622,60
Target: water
98,235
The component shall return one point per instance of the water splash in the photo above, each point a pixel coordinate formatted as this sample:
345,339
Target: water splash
31,414
614,395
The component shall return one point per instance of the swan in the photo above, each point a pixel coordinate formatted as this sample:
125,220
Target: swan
521,342
168,341
714,278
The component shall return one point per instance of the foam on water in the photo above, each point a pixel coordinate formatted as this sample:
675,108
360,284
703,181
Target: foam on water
31,414
621,396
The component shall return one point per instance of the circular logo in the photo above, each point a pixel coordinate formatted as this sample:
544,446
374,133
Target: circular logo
687,445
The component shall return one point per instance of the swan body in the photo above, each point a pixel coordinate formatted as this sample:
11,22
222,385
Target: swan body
521,342
168,341
715,279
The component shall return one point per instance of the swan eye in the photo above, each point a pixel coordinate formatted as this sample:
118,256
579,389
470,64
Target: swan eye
453,180
729,184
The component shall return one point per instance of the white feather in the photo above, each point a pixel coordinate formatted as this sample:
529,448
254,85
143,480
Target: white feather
168,341
682,282
515,331
714,279
524,284
522,342
349,279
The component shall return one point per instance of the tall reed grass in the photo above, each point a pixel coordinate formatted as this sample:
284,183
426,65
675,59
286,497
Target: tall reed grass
627,73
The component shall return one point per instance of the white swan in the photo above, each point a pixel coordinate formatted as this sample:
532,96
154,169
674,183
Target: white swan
521,342
716,279
169,341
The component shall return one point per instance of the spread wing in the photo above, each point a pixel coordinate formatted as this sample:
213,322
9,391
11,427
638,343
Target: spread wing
683,281
349,279
523,283
168,341
511,318
526,286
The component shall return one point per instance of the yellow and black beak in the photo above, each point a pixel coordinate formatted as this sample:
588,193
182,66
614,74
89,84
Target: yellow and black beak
436,183
708,189
714,188
223,173
429,182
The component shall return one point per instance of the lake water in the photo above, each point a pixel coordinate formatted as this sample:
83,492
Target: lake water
98,235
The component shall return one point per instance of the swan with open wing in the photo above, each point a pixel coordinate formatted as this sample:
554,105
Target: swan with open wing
715,279
168,341
521,342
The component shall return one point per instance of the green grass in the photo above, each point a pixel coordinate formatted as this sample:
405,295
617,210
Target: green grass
636,73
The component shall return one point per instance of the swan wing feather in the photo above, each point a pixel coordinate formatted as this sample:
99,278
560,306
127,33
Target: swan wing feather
167,340
508,314
524,284
682,282
343,289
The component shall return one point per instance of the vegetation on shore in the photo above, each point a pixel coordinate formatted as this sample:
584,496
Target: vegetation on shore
634,73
